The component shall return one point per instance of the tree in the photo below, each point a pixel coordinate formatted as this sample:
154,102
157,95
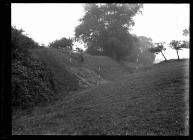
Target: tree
62,43
105,24
185,43
186,32
144,56
178,45
158,49
20,44
145,42
94,50
115,49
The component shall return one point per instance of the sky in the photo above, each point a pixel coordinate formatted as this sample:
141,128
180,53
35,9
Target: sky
47,22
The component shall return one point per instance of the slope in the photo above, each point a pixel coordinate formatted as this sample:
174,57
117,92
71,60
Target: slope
95,69
150,102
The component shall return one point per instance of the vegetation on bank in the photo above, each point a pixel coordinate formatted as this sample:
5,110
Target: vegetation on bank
33,80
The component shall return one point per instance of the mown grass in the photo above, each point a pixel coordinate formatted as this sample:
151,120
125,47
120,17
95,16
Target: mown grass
149,102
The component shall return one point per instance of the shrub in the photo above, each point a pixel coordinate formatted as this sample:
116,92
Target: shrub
31,79
62,43
31,83
20,44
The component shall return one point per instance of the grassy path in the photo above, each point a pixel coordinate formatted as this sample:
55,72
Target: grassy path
152,102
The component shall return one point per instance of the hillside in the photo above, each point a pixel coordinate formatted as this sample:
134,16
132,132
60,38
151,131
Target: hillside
152,101
94,69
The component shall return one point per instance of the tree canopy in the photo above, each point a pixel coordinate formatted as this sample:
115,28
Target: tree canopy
178,45
175,44
144,56
186,32
62,43
107,24
159,48
20,43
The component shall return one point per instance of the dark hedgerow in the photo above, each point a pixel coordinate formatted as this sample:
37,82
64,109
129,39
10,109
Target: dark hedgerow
30,83
31,80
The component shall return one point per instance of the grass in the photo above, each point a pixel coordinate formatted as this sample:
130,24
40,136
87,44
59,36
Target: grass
109,69
148,102
64,79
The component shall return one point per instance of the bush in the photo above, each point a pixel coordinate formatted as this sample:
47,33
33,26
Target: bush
146,58
62,43
31,79
31,83
20,44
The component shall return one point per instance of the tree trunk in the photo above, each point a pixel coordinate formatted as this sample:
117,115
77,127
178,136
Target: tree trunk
178,55
163,56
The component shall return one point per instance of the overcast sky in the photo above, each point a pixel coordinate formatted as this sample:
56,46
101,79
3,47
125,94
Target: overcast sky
48,22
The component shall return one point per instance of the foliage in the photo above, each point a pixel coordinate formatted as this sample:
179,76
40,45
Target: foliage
31,83
115,49
135,51
145,43
175,44
184,44
104,24
144,56
31,79
178,45
139,53
158,49
20,44
62,43
186,32
94,50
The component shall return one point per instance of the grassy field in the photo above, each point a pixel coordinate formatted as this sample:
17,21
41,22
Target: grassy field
152,101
